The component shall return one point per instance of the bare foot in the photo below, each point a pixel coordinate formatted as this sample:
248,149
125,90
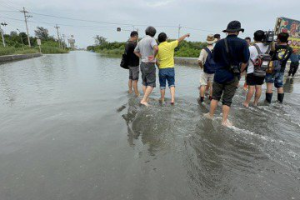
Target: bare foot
172,103
227,123
144,103
246,104
255,104
130,91
137,94
208,116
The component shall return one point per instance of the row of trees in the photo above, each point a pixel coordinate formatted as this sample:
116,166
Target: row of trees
18,40
185,49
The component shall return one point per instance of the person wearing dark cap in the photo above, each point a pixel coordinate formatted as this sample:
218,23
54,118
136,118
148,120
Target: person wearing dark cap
217,36
231,56
147,49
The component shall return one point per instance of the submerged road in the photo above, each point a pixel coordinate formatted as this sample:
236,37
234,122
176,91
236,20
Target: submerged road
69,131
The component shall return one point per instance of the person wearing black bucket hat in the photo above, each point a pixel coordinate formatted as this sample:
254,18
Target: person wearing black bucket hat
234,26
231,56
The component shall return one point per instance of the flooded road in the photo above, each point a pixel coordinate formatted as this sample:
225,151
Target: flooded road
70,131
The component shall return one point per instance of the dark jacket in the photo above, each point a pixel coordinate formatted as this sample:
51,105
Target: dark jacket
239,53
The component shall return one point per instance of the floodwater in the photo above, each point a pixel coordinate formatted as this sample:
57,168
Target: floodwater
69,131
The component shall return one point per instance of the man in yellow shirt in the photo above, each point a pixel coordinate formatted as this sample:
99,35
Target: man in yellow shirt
165,63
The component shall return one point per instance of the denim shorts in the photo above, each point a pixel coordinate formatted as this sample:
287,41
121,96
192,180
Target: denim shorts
165,75
276,78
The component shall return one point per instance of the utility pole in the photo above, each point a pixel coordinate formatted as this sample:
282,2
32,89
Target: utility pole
63,41
58,39
2,33
26,22
179,27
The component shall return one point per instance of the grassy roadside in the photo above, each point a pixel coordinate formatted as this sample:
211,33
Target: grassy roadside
26,50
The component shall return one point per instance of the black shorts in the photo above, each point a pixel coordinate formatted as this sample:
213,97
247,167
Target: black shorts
254,80
225,90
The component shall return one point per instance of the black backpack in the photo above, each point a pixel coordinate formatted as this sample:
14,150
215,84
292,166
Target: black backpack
124,61
261,63
209,65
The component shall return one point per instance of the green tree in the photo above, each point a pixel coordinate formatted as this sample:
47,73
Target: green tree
99,40
42,33
13,34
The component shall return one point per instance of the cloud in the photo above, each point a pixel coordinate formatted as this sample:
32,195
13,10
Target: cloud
208,16
160,3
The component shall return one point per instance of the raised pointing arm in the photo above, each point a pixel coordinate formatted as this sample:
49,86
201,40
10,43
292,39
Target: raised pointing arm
183,37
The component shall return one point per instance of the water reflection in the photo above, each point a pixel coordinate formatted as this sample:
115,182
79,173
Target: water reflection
149,125
289,85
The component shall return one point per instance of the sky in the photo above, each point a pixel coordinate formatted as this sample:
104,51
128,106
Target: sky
87,18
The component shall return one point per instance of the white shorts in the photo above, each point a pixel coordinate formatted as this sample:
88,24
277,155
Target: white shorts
205,78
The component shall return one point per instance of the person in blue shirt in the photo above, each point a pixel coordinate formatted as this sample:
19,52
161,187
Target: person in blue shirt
294,63
231,56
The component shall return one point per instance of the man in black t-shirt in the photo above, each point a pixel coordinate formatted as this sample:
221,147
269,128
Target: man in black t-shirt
280,56
133,63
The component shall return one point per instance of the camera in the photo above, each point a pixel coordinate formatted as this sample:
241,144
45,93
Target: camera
269,37
235,69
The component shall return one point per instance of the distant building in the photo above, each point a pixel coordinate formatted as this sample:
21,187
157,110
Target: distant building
71,42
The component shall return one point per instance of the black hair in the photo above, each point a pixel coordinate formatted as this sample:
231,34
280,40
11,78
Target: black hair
248,38
259,36
134,33
217,36
162,37
151,31
283,37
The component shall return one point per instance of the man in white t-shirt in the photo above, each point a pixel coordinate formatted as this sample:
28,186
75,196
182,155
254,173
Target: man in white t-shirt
254,82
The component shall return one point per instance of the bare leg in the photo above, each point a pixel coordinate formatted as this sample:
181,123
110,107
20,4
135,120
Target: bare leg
207,86
245,84
135,87
162,95
213,107
202,90
225,121
172,89
280,90
269,87
210,88
257,94
249,96
130,86
145,99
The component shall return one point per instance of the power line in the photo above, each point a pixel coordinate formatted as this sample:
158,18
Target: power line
115,23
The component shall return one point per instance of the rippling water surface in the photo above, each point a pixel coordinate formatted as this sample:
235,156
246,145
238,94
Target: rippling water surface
69,131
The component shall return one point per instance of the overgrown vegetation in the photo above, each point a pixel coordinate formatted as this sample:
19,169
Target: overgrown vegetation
18,43
185,49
